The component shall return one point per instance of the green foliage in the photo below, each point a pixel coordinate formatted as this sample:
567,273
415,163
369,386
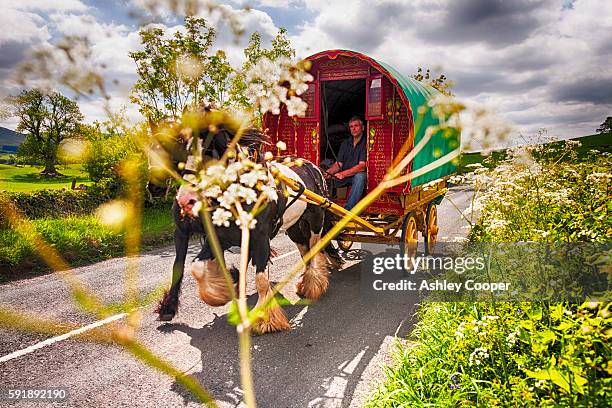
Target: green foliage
502,354
48,119
171,70
28,178
80,240
546,199
57,203
175,72
108,147
218,86
518,354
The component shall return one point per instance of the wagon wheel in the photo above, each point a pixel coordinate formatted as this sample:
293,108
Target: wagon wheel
431,228
409,238
345,244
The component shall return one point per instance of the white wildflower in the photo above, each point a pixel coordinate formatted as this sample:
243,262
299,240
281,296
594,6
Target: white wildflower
271,83
231,172
228,199
512,338
249,179
296,106
281,145
597,178
540,383
213,192
239,191
478,355
196,208
246,219
270,191
221,217
248,194
215,170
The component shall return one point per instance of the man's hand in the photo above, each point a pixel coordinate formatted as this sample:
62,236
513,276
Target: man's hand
339,176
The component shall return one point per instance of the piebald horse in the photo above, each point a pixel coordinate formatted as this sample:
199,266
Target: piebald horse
303,222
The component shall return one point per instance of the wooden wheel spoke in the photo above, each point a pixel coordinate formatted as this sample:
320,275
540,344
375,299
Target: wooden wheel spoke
431,235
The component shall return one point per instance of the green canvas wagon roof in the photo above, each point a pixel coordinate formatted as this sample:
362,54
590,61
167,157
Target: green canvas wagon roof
414,94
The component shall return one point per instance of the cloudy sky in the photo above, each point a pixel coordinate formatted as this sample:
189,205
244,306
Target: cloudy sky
538,63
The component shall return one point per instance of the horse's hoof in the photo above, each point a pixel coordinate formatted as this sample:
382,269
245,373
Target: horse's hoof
299,288
275,320
166,317
311,286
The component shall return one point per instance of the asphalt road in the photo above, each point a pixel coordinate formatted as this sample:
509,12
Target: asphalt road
330,358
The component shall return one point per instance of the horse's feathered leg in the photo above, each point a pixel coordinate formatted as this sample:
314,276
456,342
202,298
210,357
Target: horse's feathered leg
315,280
168,305
212,286
299,288
274,318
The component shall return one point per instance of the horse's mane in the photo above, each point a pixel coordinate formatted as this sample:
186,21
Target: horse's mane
253,136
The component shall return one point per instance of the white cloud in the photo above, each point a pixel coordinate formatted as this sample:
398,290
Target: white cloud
48,5
550,66
22,27
538,63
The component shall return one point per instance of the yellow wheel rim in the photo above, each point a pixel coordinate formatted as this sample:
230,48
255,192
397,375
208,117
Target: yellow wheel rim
432,229
411,238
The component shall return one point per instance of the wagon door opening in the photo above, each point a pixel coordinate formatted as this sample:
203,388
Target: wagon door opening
340,101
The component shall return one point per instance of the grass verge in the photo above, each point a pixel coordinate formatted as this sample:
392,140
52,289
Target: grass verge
537,354
80,239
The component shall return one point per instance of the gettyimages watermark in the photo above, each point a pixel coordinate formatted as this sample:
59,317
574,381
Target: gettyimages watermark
489,272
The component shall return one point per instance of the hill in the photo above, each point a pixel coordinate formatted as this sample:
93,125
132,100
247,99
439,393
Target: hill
599,141
9,137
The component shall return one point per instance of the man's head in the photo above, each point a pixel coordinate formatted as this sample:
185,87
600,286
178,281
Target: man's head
356,126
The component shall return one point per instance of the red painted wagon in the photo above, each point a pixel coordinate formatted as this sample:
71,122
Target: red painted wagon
348,83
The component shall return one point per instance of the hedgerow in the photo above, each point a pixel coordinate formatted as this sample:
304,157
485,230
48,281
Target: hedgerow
517,354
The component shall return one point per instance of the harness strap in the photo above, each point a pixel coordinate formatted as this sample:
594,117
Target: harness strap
297,196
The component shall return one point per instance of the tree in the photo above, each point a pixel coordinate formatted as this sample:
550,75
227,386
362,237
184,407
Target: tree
171,70
281,47
176,73
441,83
218,85
606,126
48,119
108,146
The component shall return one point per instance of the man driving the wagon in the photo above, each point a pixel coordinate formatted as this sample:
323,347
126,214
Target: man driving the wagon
350,167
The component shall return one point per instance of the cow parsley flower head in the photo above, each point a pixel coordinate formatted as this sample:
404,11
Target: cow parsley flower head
221,217
246,219
249,179
272,83
478,355
270,192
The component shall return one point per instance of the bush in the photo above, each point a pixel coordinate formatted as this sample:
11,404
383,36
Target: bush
499,355
58,203
518,354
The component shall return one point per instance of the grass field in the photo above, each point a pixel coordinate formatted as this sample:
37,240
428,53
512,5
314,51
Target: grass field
27,178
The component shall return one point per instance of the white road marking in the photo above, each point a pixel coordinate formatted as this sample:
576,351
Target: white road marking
64,336
285,255
84,329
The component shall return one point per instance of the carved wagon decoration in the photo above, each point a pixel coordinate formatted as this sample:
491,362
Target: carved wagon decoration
346,84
